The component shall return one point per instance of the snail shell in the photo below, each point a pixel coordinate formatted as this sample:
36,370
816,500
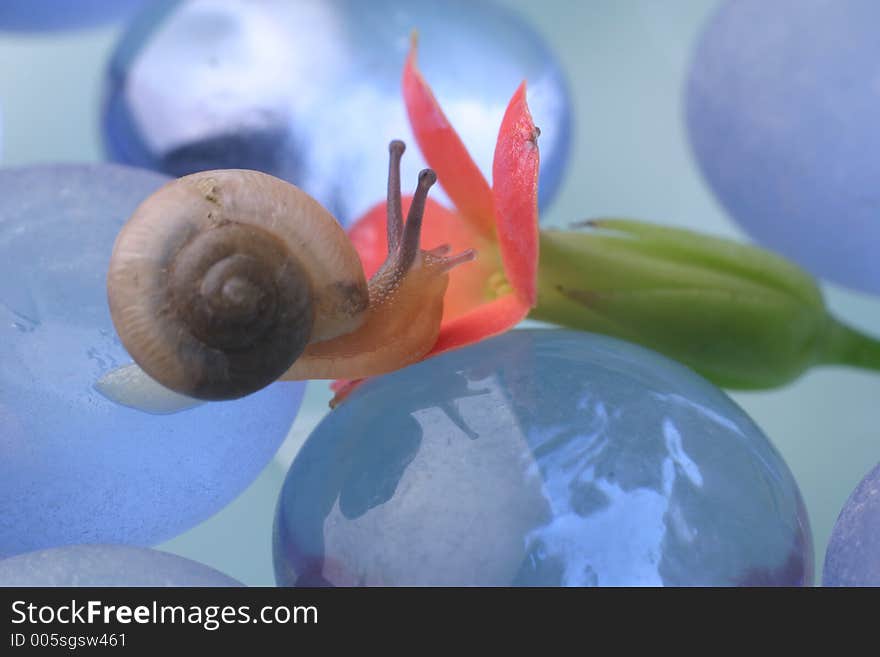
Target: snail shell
220,279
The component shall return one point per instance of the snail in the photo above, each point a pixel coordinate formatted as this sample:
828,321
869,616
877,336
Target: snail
224,281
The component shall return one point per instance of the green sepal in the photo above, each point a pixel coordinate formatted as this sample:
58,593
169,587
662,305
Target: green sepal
741,316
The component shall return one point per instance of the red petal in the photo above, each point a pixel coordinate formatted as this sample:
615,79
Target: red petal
369,239
440,144
480,323
467,317
515,189
343,388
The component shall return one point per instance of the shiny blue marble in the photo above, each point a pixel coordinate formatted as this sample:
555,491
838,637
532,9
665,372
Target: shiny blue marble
853,555
541,458
107,565
75,467
782,107
40,15
310,91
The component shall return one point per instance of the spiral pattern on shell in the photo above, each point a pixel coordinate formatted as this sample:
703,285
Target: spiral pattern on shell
220,280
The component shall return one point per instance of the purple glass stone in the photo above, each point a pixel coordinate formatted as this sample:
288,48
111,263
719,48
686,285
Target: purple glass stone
853,555
107,565
782,107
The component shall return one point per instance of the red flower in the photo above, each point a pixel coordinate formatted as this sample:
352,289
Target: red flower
494,293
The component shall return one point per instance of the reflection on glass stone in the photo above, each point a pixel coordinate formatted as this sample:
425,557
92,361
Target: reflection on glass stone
784,129
541,458
38,15
107,565
310,91
853,556
75,467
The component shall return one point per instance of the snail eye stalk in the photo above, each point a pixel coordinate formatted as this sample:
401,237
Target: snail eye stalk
395,209
404,238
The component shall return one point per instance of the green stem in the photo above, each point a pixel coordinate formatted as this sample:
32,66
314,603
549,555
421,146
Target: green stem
849,346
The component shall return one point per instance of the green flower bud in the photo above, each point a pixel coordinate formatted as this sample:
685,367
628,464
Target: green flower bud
739,315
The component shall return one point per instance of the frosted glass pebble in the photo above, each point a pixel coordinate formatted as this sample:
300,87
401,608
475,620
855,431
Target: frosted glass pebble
853,555
781,110
76,467
107,565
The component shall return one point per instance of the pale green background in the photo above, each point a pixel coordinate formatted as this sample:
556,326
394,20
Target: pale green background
626,61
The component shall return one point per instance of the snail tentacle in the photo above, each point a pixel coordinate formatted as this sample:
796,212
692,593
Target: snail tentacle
402,321
395,210
413,230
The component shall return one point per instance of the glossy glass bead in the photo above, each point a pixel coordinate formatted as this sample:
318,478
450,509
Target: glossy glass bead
39,15
853,555
541,458
76,467
107,565
310,91
781,109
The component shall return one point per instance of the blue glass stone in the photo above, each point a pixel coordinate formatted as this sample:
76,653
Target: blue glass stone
853,555
39,15
107,565
541,458
75,467
310,91
782,114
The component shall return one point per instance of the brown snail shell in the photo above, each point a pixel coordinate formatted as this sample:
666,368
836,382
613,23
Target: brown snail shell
220,279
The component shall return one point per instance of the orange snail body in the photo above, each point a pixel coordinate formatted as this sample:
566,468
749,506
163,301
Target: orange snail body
224,281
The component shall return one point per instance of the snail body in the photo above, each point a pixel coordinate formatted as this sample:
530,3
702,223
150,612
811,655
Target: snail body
224,281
